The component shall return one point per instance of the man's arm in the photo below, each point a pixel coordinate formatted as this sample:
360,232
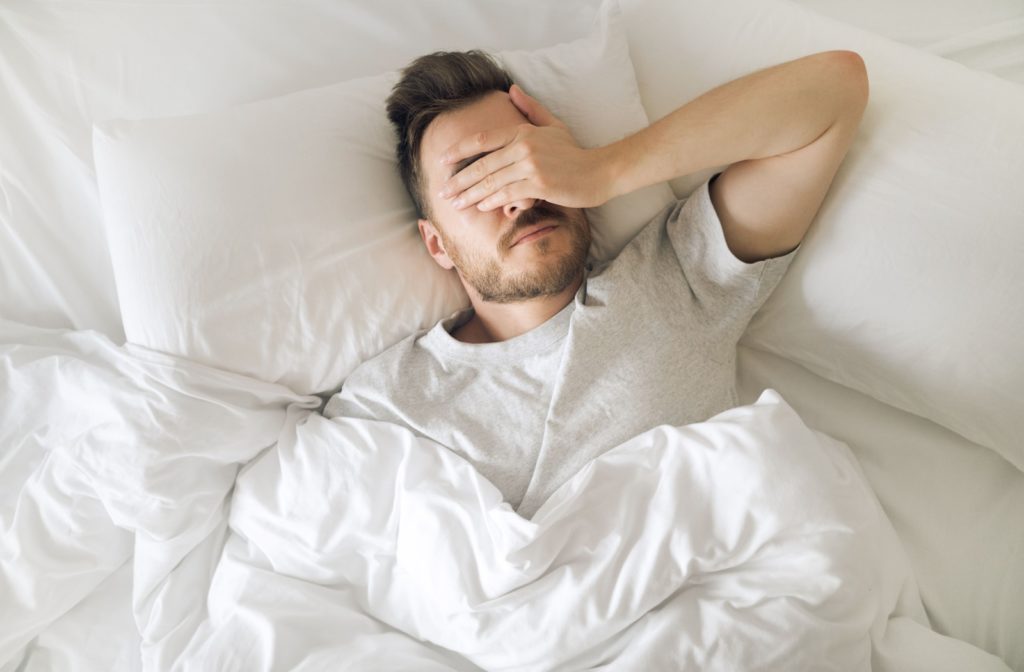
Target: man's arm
783,130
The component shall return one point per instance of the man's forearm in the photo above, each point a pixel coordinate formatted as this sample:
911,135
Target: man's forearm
766,113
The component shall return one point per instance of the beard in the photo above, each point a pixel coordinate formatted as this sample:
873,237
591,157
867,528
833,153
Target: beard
489,277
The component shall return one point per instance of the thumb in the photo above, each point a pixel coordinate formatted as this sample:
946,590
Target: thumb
531,108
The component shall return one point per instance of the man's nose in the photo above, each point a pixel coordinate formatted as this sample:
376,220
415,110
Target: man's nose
516,208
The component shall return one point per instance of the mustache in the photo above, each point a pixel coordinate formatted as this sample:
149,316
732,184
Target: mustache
538,213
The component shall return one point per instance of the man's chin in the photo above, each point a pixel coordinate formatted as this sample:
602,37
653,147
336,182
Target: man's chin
517,287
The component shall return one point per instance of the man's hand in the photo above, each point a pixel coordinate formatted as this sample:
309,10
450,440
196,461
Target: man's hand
539,159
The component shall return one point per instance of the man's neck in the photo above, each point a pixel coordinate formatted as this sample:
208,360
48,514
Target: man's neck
493,322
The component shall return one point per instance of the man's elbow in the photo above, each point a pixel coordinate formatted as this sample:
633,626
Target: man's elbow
854,75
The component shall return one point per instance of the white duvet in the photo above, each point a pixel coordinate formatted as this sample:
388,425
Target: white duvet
263,536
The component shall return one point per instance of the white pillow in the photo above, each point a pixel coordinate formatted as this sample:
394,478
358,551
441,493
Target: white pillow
275,239
908,285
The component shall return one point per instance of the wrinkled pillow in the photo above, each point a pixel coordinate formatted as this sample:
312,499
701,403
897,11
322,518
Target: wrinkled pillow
275,239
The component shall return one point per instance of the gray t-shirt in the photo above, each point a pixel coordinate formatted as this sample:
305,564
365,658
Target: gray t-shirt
649,339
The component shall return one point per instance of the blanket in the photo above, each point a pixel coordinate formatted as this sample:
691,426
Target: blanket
263,536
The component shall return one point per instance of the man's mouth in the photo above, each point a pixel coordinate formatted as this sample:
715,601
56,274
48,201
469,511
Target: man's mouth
534,232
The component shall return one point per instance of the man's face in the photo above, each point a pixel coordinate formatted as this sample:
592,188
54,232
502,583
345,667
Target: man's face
482,246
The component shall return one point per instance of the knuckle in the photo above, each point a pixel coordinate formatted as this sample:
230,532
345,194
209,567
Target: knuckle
480,138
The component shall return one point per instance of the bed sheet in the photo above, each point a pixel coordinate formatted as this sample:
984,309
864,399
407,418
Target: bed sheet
984,606
335,527
97,635
964,536
986,36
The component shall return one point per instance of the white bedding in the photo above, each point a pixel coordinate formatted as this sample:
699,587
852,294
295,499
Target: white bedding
954,504
747,540
985,36
64,65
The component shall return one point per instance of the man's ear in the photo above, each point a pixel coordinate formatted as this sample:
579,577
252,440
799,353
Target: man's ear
435,246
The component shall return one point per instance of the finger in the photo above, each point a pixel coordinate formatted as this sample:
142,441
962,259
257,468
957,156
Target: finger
478,171
532,109
490,185
516,191
478,143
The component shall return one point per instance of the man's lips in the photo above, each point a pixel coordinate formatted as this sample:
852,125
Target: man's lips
532,230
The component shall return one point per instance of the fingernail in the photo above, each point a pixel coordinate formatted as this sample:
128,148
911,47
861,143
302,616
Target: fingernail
457,203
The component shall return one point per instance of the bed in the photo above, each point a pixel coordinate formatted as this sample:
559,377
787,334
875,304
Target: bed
158,424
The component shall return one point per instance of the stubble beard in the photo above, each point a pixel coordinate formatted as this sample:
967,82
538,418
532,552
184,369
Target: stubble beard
496,285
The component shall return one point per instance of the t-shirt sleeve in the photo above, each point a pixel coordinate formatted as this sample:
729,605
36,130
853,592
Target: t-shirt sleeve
720,282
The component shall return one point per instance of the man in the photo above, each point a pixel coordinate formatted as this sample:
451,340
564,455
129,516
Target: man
558,360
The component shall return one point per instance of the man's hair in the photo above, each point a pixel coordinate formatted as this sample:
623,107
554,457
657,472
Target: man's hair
432,84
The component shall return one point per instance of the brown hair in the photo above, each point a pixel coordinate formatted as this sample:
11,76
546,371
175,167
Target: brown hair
432,84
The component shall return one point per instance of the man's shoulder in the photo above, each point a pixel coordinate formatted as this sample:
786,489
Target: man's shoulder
377,381
417,355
